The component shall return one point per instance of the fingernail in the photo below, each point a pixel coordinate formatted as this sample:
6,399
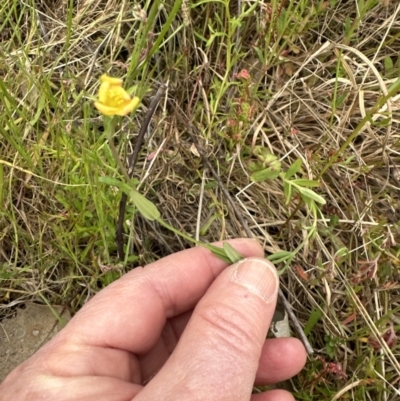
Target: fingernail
258,276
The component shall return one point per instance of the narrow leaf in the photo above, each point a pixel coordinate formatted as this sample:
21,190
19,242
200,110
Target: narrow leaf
280,256
287,190
2,185
293,169
310,194
266,174
306,183
147,208
309,202
232,253
116,183
312,321
218,252
388,63
395,85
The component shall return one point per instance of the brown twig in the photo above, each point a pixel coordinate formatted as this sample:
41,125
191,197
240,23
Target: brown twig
131,166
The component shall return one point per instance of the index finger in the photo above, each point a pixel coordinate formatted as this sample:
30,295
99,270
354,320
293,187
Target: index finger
131,313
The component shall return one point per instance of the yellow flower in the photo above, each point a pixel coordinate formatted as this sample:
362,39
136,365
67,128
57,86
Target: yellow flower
113,98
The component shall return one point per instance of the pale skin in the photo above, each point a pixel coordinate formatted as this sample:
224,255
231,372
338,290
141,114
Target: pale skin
187,327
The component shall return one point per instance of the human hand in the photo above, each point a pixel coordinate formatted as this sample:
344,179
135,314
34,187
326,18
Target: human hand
187,327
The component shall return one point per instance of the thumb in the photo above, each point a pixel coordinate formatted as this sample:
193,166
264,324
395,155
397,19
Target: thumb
218,353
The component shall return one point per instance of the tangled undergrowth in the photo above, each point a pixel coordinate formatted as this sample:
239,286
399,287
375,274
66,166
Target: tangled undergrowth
269,92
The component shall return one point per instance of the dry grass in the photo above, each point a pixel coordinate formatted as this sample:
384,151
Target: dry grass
317,68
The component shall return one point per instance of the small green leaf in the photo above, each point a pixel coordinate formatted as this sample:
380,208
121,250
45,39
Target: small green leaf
280,256
340,100
255,166
116,183
384,122
348,160
205,227
293,169
312,321
344,251
2,185
310,194
266,174
395,85
388,62
281,23
260,151
218,252
305,183
232,253
132,258
42,102
269,158
147,208
132,90
211,184
309,202
334,221
287,190
110,181
347,26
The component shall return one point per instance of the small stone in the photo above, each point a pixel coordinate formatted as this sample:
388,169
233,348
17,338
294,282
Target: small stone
35,332
19,333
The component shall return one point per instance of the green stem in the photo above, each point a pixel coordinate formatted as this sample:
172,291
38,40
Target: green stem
110,131
114,151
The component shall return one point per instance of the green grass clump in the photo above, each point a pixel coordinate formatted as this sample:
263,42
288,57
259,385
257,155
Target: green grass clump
294,104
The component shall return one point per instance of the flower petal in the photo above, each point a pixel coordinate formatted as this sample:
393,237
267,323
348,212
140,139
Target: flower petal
103,91
106,110
121,93
129,107
111,80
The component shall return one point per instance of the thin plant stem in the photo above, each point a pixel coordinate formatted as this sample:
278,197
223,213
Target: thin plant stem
110,131
131,166
121,166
